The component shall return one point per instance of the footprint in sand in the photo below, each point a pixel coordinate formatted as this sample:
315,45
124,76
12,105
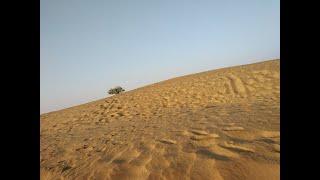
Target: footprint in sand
235,128
199,132
168,141
237,148
183,133
270,134
227,124
206,137
208,153
223,151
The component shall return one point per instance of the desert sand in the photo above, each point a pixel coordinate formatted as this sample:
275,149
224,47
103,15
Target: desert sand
219,124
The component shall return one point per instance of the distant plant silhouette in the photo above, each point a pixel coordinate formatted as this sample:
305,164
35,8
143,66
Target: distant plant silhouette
116,90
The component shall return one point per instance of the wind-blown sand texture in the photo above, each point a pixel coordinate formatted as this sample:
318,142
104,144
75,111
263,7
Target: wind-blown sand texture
220,124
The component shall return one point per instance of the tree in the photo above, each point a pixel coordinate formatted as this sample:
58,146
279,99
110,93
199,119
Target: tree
116,90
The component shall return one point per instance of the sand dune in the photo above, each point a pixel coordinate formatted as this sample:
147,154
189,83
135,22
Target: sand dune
220,124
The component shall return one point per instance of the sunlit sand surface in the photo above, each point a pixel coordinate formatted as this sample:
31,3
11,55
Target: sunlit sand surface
220,124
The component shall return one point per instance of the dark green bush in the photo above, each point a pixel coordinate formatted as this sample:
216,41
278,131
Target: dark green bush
116,90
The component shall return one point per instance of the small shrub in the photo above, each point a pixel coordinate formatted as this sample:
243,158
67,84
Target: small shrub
116,90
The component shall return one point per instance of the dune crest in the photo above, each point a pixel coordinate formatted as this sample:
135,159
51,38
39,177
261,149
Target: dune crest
220,124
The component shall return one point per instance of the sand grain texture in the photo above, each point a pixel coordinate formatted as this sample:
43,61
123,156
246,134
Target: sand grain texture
220,124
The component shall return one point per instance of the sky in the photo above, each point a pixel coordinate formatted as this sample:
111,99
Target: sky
89,46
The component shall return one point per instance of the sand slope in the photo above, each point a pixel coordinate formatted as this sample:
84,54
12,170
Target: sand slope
221,124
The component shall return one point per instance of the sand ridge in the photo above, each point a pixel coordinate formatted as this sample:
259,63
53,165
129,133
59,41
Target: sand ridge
220,124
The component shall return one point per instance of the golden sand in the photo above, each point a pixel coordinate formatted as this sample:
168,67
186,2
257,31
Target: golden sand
220,124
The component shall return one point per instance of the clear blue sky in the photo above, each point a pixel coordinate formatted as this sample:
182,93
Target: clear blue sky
88,46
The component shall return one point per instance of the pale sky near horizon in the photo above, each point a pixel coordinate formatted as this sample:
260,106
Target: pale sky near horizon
89,46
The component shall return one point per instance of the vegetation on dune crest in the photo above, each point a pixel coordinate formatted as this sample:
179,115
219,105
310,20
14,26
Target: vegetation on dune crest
116,90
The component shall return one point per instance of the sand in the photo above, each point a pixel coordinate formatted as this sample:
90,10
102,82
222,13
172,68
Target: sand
220,124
